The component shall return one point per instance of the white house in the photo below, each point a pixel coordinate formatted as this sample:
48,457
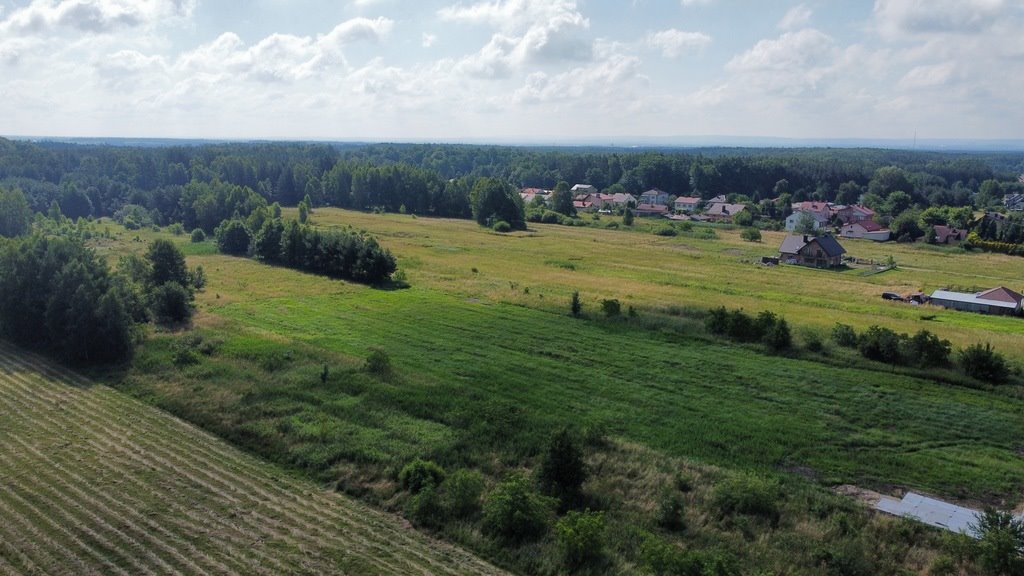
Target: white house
793,220
654,196
866,229
687,203
582,189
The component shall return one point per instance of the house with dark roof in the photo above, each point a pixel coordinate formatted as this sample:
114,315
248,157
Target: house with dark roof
1000,301
948,235
651,209
854,213
723,211
1014,201
817,251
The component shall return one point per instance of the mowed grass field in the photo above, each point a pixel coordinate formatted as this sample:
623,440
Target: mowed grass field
649,271
94,482
490,360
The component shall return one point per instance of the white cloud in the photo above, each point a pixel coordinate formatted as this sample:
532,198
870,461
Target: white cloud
674,43
793,51
92,16
797,17
927,76
896,18
282,57
428,40
695,2
530,32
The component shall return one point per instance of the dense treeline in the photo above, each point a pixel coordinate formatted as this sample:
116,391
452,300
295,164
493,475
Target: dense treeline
57,296
336,253
201,186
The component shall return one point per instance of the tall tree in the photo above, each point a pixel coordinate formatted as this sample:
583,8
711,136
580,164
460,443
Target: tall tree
561,199
495,200
15,215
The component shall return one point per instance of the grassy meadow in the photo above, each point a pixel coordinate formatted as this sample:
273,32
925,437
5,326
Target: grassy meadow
486,363
99,483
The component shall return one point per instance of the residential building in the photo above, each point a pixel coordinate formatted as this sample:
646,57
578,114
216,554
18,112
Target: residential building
999,301
866,229
723,211
579,189
817,251
948,235
651,209
654,197
1014,201
822,209
854,213
687,204
793,220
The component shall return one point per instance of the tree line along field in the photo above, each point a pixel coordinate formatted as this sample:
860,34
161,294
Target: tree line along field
486,363
95,482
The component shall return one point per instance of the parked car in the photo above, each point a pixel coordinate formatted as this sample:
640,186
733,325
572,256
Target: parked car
892,296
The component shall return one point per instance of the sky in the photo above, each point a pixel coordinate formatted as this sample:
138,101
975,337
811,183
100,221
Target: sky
507,70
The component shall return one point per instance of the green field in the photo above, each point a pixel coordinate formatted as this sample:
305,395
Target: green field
487,363
97,483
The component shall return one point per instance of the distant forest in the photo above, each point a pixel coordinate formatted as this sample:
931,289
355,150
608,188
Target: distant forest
201,186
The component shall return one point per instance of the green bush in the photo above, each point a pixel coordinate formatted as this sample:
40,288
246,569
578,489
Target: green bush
378,363
844,335
233,237
198,235
177,229
425,507
777,337
170,303
502,226
667,230
881,344
984,363
419,474
751,235
611,308
748,494
562,471
1001,546
574,305
581,538
461,492
671,511
515,512
926,350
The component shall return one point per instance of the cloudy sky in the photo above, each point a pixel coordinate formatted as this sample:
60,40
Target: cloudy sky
512,69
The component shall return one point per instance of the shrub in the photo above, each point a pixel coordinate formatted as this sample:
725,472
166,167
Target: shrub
562,471
418,474
197,277
666,230
627,217
502,226
926,350
581,538
170,303
424,508
198,235
515,512
717,321
378,362
778,337
748,494
611,308
177,229
751,234
984,363
1001,546
574,305
881,344
233,237
461,493
813,340
844,335
671,511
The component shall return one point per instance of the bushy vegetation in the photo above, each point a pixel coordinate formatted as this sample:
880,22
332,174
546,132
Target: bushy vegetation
55,295
737,325
335,253
982,362
581,538
514,511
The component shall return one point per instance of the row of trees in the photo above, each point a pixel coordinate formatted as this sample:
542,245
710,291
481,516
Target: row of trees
336,253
